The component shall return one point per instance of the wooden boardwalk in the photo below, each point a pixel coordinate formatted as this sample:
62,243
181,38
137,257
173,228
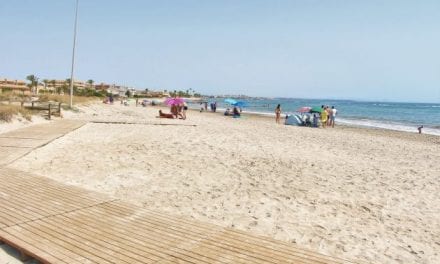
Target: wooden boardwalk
57,223
17,143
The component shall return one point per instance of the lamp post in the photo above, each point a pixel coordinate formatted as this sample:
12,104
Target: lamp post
36,86
73,55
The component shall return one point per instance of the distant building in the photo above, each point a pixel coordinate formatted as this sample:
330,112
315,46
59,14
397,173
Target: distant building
102,87
13,85
116,90
54,84
124,89
149,93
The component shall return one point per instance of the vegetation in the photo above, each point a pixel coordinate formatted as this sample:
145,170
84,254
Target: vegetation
10,96
7,112
88,92
33,81
187,93
65,99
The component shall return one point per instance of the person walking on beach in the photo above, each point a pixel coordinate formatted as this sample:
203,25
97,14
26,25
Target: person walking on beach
278,114
333,116
420,129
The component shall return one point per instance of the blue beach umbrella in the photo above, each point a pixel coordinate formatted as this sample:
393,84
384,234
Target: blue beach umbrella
230,101
240,104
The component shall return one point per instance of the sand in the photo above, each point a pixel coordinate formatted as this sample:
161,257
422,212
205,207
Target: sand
20,122
360,194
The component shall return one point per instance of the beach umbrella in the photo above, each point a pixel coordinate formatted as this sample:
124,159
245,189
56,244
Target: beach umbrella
174,101
316,109
240,104
230,101
304,109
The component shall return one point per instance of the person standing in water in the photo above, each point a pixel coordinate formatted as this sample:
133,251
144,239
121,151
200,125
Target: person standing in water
278,114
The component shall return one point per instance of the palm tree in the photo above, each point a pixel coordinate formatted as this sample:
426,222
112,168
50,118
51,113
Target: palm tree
46,82
33,81
90,83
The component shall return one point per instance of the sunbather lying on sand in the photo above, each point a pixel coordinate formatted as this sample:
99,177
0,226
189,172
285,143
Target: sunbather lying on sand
163,115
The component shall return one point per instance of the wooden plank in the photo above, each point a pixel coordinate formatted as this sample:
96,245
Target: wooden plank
87,246
217,250
271,245
46,247
188,234
8,218
64,240
147,236
45,202
71,193
43,199
100,237
28,248
47,131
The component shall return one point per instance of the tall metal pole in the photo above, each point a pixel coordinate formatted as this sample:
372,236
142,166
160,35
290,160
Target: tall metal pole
73,55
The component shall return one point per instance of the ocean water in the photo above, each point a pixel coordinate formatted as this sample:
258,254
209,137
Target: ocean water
388,115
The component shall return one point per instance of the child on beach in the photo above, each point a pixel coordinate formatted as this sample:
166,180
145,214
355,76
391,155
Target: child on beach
185,108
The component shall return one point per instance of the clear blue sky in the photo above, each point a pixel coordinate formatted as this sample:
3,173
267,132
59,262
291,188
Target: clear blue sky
370,50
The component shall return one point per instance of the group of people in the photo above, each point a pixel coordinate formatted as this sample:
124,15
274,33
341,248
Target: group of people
326,117
176,111
236,112
108,100
204,106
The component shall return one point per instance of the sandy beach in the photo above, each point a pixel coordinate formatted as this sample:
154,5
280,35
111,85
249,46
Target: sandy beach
361,194
19,122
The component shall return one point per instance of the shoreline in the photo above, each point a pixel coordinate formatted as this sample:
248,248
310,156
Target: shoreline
338,123
409,125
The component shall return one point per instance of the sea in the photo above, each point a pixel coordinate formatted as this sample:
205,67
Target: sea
387,115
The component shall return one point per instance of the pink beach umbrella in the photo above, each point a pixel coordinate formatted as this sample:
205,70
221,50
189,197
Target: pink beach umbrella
304,109
174,101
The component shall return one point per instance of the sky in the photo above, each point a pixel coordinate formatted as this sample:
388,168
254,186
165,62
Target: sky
340,49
